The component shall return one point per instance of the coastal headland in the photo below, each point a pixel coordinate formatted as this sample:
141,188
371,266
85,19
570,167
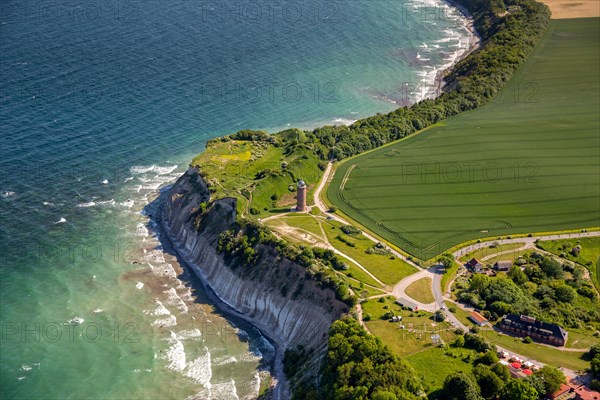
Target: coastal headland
231,219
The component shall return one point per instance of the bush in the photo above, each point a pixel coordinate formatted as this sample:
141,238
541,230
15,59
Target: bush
387,315
476,343
459,342
350,230
527,340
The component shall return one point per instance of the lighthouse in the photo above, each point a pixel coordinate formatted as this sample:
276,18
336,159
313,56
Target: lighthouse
301,196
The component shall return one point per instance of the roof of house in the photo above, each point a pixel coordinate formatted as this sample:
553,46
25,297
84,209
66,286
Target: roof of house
535,326
562,390
477,317
472,263
585,393
407,303
503,264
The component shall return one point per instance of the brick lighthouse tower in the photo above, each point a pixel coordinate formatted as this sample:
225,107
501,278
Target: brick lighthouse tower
301,196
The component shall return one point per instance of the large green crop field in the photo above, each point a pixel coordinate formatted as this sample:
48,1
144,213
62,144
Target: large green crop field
527,162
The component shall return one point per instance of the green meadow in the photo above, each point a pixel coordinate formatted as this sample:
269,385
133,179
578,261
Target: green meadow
527,162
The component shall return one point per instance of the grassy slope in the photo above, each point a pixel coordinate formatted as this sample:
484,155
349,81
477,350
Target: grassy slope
589,256
541,135
489,251
234,164
387,269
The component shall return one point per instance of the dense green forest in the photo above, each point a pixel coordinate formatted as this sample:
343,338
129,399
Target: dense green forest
541,286
359,366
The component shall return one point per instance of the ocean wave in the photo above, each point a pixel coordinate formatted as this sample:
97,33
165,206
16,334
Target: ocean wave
142,231
166,322
224,391
176,356
200,370
141,169
224,361
186,334
74,321
175,300
160,309
8,194
106,203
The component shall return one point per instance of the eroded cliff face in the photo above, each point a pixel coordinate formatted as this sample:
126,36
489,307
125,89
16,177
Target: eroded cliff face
276,295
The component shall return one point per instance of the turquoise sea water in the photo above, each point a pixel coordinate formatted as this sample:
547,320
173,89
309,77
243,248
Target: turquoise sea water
101,104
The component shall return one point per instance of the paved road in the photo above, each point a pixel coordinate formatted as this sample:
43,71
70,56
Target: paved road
436,272
529,241
327,176
399,289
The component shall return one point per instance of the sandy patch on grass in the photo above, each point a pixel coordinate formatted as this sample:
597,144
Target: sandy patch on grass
562,9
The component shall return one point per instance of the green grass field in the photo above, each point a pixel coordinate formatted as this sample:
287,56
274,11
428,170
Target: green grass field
588,257
434,365
419,326
527,162
421,291
554,356
388,269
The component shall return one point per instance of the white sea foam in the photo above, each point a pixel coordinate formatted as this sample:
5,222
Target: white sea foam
141,230
47,204
175,300
224,361
344,121
128,203
200,370
165,270
224,391
20,378
103,203
75,321
256,381
141,169
105,182
97,310
8,194
159,310
60,221
186,334
26,367
176,356
166,322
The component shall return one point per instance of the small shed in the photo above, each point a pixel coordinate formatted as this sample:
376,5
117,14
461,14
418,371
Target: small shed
407,304
477,318
503,265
